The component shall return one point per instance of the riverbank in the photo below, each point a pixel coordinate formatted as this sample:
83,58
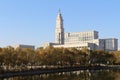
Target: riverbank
55,70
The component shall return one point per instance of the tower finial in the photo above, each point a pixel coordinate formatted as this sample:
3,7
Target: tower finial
59,11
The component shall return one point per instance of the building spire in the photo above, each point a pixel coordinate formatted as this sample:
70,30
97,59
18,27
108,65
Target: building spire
59,12
59,20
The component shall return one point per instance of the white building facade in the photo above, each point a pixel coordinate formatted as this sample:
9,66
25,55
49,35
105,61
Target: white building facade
111,44
79,40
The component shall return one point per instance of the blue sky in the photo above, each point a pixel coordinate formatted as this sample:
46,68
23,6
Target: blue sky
33,21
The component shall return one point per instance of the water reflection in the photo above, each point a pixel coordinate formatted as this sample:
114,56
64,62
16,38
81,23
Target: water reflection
76,75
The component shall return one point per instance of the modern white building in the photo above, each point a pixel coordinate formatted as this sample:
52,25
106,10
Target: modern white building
111,44
80,37
79,40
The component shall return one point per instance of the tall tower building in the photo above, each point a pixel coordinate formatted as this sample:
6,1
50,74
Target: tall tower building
59,32
79,40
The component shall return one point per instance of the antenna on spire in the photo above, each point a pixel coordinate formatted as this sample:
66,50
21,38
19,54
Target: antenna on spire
59,11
